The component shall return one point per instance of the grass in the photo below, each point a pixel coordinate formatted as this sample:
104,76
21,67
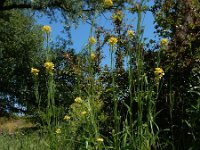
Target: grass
20,141
17,134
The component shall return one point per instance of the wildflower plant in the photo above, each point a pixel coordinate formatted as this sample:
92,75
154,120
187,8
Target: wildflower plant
46,29
112,41
49,66
49,115
82,121
117,17
108,3
82,118
159,73
92,40
99,139
58,131
138,132
131,34
66,117
35,71
164,42
78,100
93,56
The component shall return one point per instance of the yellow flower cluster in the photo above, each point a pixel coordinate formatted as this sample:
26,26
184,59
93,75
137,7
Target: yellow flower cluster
164,42
112,41
46,29
58,131
35,71
49,66
92,40
117,16
130,34
78,100
83,112
159,73
108,3
99,139
92,55
67,117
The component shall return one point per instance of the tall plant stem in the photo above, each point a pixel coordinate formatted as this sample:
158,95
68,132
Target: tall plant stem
91,92
130,78
115,101
47,46
139,73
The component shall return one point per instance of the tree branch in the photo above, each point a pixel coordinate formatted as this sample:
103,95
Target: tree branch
56,4
20,6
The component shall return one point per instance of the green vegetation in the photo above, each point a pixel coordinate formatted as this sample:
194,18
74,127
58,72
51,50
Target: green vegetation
70,101
21,45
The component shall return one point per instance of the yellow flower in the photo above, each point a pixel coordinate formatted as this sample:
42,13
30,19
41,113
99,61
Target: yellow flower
108,3
99,139
58,131
83,112
112,41
159,73
93,56
130,34
92,40
49,66
164,42
78,100
46,29
67,117
117,16
35,71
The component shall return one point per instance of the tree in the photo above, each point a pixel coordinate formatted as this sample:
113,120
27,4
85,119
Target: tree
179,21
21,43
71,10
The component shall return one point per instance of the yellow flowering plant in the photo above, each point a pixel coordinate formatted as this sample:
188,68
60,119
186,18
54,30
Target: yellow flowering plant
164,42
117,16
92,56
131,33
35,71
46,29
108,3
159,73
83,112
78,100
99,139
58,131
66,117
92,40
112,41
49,66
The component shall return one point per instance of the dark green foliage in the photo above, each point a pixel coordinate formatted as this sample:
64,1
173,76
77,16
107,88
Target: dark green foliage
71,10
179,21
20,44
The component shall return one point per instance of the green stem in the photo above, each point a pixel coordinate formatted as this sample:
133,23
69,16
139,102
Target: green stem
115,101
130,77
139,69
47,47
91,91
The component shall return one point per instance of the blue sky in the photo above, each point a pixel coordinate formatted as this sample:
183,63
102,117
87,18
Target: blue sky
81,33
